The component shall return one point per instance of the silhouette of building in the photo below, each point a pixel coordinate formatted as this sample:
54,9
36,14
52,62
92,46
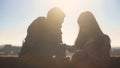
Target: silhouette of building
8,49
115,52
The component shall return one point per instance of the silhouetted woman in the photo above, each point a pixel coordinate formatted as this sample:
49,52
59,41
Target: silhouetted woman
93,46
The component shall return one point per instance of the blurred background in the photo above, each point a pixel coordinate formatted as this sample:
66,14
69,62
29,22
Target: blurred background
16,16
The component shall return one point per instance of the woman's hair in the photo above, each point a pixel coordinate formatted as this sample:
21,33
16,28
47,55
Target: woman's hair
87,21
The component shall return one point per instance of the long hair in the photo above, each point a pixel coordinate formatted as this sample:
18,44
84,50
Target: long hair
88,22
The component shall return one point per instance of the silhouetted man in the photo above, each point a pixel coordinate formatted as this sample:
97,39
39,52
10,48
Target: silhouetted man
44,39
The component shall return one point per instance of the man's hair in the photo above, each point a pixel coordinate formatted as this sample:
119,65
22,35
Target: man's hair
55,12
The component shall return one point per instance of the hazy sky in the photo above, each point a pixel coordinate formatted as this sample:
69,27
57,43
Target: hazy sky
16,15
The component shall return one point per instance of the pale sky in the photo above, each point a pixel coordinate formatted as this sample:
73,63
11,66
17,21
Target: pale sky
16,16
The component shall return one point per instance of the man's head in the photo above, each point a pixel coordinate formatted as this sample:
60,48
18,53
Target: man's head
55,16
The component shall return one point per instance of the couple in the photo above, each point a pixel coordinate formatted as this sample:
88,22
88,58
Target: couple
43,46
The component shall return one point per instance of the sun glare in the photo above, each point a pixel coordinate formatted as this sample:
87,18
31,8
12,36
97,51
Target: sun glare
66,5
72,9
70,5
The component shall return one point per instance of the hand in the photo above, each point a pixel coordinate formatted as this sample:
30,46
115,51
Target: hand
72,48
81,54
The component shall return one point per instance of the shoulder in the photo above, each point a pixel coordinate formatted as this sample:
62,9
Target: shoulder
41,18
107,38
38,22
107,41
104,42
101,40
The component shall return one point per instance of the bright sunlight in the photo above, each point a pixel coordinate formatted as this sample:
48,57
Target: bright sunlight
72,9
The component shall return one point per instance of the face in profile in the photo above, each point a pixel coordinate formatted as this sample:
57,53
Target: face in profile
85,28
59,20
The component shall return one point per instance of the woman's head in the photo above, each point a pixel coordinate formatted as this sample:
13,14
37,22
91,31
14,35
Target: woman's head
88,28
88,23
